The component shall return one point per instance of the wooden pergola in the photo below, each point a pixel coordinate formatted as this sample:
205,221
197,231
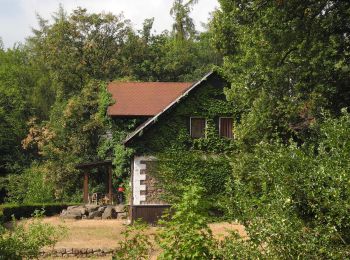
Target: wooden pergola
86,167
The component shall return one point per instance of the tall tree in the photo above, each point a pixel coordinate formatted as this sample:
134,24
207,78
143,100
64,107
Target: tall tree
183,27
286,60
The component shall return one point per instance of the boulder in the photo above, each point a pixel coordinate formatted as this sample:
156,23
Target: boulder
102,209
95,214
72,207
91,208
122,215
72,215
120,208
109,213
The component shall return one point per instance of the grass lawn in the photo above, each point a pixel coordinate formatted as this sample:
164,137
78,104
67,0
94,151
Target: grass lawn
107,233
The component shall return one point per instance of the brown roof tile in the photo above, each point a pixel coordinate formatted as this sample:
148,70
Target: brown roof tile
143,98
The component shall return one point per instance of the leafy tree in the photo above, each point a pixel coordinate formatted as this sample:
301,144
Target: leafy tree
294,199
80,46
183,27
285,59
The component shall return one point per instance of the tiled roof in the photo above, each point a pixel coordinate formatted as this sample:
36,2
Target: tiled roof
149,122
144,98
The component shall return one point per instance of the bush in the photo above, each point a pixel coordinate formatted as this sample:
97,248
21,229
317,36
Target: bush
186,235
25,242
30,187
294,201
136,244
25,211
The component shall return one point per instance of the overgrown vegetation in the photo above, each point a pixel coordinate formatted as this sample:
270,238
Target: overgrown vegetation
25,242
285,175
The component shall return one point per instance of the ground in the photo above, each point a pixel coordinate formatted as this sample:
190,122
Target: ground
107,233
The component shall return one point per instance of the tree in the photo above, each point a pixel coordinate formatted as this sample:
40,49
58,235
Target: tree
183,27
286,60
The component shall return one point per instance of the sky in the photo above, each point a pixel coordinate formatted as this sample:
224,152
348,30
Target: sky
17,17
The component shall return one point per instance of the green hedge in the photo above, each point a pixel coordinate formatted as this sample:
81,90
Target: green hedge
26,211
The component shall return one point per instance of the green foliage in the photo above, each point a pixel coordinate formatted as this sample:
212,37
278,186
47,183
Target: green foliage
30,187
70,137
177,170
25,242
135,244
285,60
8,211
295,199
186,235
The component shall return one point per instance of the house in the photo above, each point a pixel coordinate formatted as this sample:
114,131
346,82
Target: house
181,115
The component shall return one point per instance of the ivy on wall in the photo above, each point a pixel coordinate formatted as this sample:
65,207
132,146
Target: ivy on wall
182,160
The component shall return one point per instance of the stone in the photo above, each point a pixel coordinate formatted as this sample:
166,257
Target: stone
101,209
72,207
69,215
83,211
91,208
69,250
95,214
61,250
109,213
122,215
120,208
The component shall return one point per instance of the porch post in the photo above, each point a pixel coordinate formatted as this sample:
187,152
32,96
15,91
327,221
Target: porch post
110,183
86,187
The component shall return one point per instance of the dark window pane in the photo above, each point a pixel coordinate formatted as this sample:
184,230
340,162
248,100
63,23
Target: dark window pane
197,127
226,125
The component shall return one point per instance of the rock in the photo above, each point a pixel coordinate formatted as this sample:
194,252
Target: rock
109,213
61,250
101,209
72,215
72,207
83,211
91,208
95,214
122,215
120,208
71,212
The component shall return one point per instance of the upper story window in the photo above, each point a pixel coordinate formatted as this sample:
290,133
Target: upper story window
197,127
226,127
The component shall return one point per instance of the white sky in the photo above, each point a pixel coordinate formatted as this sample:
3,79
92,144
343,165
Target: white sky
17,17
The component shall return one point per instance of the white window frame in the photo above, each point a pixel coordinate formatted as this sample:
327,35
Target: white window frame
205,126
225,117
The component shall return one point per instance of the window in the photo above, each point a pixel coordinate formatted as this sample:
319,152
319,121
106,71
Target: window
197,126
226,127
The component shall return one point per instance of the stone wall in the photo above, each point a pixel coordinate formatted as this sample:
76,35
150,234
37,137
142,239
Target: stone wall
145,189
77,252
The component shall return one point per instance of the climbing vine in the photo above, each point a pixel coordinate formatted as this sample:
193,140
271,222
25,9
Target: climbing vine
182,160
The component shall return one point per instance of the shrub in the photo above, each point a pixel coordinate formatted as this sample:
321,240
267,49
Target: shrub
30,187
7,211
294,201
136,244
186,235
26,242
